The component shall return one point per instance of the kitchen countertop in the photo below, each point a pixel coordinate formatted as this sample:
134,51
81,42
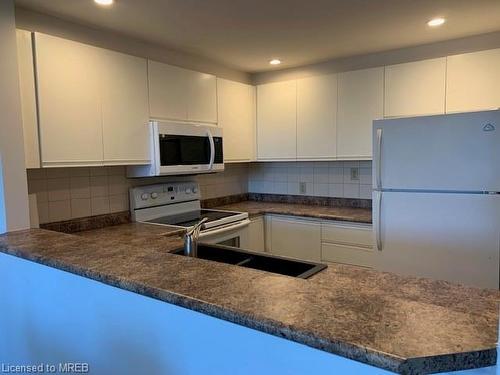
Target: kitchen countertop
358,215
403,324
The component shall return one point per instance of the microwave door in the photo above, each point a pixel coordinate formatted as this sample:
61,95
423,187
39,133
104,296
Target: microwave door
184,154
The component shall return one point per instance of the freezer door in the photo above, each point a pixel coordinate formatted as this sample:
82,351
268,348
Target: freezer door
454,237
459,152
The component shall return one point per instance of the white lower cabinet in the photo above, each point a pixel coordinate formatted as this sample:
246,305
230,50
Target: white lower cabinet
256,239
348,243
296,238
315,240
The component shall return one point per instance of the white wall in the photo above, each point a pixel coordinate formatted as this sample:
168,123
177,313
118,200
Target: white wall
14,197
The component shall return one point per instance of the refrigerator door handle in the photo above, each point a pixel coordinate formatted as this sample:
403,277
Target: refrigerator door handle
378,162
378,223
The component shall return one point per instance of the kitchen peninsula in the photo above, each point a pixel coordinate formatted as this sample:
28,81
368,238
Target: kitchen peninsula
362,317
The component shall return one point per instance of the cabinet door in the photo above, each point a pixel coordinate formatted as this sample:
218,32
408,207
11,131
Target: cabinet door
360,101
168,91
201,97
296,238
28,98
69,98
472,81
277,120
124,108
236,104
256,235
316,117
416,88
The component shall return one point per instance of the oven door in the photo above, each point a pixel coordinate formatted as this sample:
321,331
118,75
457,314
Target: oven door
235,234
187,148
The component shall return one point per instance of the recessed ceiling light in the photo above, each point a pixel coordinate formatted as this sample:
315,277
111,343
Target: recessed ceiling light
436,22
275,62
104,2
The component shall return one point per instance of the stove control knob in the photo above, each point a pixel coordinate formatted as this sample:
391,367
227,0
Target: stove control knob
154,195
144,196
195,190
188,190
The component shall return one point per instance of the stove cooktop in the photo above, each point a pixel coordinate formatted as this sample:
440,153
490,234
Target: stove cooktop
188,219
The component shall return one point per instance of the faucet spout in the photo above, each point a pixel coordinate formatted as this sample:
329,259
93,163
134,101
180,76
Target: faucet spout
191,239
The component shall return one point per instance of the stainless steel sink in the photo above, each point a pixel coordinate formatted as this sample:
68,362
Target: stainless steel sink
270,263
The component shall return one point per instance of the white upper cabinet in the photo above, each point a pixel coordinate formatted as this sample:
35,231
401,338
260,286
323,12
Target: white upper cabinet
360,101
473,81
69,98
168,91
416,88
202,97
124,109
316,117
93,104
277,120
181,94
28,98
236,109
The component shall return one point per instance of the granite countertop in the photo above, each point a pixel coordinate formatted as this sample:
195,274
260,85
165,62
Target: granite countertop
358,215
402,324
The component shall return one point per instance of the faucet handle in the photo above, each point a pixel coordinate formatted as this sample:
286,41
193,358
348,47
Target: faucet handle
197,227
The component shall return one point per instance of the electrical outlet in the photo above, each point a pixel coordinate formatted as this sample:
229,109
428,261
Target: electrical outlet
354,174
302,187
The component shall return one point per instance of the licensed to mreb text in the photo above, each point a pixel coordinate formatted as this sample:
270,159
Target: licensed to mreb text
46,368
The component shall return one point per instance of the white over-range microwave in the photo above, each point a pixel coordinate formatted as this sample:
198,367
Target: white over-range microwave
181,148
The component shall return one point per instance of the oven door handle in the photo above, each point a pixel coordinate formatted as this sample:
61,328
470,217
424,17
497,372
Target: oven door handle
212,149
228,228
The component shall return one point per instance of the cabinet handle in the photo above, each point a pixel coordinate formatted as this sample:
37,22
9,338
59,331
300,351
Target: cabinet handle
378,163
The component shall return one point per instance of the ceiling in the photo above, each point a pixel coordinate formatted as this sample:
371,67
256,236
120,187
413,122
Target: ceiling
246,34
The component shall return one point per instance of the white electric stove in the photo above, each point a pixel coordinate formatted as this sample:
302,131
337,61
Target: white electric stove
178,204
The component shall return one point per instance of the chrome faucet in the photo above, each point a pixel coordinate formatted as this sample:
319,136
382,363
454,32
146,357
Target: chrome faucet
191,239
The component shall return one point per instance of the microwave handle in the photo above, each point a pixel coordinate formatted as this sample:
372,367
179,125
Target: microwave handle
212,149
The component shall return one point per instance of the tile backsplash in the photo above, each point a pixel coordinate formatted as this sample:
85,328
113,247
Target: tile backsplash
340,179
69,193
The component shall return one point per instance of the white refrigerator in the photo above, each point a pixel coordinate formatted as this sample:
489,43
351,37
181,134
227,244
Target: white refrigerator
436,197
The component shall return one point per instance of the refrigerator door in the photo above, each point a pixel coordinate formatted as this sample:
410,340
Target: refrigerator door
457,152
454,237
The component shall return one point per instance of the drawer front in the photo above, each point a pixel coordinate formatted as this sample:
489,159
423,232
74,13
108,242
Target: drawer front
350,234
358,256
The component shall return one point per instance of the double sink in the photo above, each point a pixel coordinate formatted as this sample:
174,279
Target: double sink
248,259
